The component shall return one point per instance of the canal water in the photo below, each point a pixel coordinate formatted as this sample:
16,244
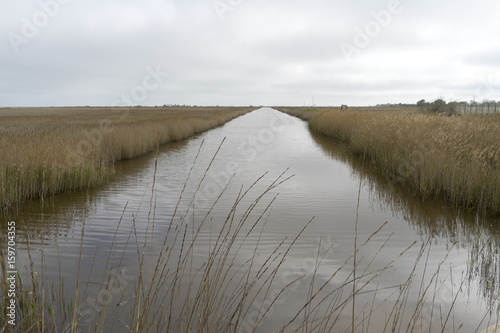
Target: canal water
301,197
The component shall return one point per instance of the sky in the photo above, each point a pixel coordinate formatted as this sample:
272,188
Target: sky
247,52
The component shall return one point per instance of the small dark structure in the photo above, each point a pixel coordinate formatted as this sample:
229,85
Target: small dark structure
343,107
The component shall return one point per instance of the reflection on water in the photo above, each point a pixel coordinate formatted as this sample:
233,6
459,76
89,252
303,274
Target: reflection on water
325,184
467,229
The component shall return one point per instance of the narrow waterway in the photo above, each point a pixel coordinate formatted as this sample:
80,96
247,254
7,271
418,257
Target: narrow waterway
104,230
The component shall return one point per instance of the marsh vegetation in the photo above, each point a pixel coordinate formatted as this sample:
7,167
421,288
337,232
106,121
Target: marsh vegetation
52,150
456,158
172,292
173,244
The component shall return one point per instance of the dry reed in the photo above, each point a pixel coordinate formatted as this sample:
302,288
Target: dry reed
302,113
52,150
456,157
172,295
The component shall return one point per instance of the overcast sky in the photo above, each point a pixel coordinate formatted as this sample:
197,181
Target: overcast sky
242,52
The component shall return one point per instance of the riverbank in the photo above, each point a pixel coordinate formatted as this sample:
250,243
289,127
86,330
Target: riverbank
186,238
456,158
53,150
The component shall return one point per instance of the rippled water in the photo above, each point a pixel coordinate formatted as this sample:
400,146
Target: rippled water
327,186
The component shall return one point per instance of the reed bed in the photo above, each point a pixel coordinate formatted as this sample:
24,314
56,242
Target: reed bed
301,113
170,294
305,113
52,150
456,158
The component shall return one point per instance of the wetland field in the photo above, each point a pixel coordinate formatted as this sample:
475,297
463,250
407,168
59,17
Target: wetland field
456,158
51,150
249,220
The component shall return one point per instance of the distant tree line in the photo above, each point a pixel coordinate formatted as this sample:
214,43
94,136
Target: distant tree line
440,106
395,105
452,107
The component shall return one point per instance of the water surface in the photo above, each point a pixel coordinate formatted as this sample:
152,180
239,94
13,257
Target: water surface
327,185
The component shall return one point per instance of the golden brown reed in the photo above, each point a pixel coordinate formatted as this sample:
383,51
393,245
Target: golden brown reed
455,157
232,290
302,113
51,150
224,291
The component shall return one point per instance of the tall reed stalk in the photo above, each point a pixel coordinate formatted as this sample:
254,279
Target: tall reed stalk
456,158
172,294
45,151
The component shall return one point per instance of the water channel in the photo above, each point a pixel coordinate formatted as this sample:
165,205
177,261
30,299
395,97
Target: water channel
324,185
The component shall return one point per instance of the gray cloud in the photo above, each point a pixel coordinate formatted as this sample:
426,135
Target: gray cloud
247,52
